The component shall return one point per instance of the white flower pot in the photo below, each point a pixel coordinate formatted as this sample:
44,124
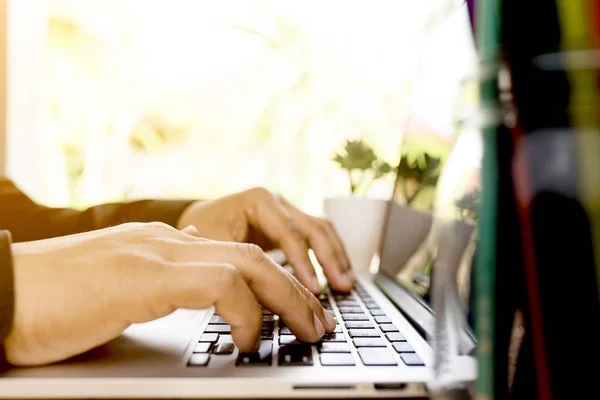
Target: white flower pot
358,222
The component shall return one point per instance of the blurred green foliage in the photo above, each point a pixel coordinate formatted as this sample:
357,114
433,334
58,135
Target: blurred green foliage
358,157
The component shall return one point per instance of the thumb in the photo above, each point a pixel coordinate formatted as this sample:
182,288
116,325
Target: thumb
191,230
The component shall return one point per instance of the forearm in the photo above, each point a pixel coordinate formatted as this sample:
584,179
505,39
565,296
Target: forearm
29,221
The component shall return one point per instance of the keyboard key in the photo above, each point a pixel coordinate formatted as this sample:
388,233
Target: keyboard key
285,331
268,326
289,339
333,348
369,342
371,305
225,339
348,303
266,335
333,359
388,328
345,310
266,312
359,324
224,348
376,356
383,319
355,317
403,347
338,329
411,359
333,337
299,355
338,296
376,311
217,319
363,333
218,328
199,360
262,357
209,337
395,337
268,318
203,347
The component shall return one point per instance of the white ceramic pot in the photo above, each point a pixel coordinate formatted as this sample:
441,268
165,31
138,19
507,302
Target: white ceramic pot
359,222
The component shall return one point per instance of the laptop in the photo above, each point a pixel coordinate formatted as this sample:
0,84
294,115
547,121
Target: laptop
380,347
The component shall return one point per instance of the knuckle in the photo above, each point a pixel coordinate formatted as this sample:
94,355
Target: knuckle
301,291
227,276
260,192
306,294
160,226
250,252
327,223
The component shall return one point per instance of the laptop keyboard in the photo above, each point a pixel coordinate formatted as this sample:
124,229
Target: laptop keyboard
364,335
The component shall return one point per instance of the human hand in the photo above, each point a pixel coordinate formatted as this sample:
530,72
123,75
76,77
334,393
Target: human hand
269,221
76,292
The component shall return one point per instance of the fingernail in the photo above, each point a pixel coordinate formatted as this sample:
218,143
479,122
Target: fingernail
318,326
330,320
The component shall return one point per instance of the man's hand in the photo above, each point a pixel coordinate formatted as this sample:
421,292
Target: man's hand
269,221
76,292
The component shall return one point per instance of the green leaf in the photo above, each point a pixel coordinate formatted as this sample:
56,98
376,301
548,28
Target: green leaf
382,168
356,155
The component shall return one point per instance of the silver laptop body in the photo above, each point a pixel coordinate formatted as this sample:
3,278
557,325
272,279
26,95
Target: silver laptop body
375,351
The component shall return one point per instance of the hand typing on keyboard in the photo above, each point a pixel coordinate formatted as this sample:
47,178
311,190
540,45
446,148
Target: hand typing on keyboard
73,293
257,216
364,335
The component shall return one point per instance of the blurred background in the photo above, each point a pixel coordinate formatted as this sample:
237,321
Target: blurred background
112,100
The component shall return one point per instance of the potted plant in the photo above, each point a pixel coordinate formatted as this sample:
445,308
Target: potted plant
358,219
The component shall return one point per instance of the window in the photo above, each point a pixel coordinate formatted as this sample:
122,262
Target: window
122,99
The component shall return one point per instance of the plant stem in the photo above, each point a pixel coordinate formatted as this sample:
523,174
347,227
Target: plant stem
352,185
361,182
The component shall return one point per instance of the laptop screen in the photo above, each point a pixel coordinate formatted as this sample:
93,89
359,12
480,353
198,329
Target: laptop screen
420,242
417,244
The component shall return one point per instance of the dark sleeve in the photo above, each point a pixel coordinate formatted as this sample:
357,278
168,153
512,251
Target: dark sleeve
28,221
7,297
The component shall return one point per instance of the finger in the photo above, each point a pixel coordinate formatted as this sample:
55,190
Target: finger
266,215
339,274
198,285
274,287
327,247
333,264
336,241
